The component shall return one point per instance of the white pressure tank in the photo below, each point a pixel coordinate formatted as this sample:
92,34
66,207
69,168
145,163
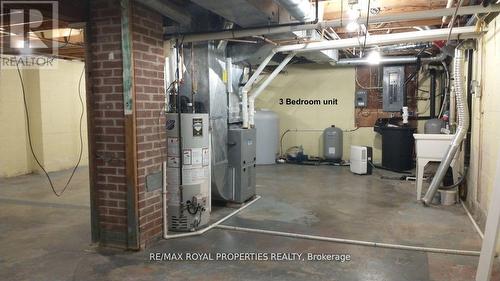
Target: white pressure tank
267,124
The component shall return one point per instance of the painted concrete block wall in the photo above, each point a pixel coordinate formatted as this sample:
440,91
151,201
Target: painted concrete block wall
61,110
323,82
485,118
313,81
13,157
54,108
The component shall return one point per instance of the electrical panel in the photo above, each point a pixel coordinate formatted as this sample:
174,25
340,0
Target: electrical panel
393,88
361,99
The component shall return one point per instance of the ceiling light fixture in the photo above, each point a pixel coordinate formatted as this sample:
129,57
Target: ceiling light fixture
374,57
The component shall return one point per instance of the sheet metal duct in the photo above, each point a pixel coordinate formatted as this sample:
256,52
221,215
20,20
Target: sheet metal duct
299,9
168,10
209,95
245,13
250,13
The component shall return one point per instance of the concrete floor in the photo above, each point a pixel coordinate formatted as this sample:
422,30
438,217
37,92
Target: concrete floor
44,238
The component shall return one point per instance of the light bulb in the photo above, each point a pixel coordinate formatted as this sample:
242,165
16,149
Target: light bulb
352,26
373,57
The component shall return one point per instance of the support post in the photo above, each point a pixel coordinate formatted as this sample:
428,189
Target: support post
488,249
130,127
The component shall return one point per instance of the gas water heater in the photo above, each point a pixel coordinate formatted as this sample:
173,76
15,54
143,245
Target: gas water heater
188,144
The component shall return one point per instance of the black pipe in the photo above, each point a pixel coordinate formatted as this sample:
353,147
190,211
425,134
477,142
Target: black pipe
470,62
405,85
442,84
179,116
432,93
182,34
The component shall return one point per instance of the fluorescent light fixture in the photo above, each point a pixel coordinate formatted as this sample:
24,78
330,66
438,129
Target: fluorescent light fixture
374,57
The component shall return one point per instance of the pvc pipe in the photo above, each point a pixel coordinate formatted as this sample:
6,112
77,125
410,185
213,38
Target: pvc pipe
417,15
248,86
391,60
201,231
492,229
463,126
383,60
244,108
352,242
257,72
448,5
229,71
264,84
273,75
381,39
474,223
164,195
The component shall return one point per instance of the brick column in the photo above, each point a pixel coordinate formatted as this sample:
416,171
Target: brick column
125,146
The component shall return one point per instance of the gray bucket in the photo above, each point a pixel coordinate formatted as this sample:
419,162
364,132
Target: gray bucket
448,196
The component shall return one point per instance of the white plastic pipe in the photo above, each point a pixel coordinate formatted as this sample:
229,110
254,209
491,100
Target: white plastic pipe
229,71
474,223
448,5
488,249
384,39
248,86
258,91
244,108
201,231
352,242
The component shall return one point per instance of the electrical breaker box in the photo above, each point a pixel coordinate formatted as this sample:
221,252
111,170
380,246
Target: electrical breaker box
361,99
242,157
393,88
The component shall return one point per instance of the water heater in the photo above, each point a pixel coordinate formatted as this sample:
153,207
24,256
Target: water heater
333,144
188,202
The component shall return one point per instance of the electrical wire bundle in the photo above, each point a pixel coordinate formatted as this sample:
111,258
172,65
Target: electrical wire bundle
28,127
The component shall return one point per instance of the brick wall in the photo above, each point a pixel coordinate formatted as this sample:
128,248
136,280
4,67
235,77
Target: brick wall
149,65
107,121
107,116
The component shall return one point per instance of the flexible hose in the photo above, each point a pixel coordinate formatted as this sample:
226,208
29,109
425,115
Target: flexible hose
463,126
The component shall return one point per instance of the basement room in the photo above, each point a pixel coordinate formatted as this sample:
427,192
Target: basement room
249,140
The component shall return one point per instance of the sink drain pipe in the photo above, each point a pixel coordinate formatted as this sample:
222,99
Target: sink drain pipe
463,124
352,242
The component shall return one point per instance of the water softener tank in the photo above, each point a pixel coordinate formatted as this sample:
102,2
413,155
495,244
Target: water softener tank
332,144
268,129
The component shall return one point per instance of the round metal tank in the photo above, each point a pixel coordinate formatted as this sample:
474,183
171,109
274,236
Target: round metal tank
433,126
268,128
333,144
188,139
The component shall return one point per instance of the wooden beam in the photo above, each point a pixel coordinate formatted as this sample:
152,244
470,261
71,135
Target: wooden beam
130,127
